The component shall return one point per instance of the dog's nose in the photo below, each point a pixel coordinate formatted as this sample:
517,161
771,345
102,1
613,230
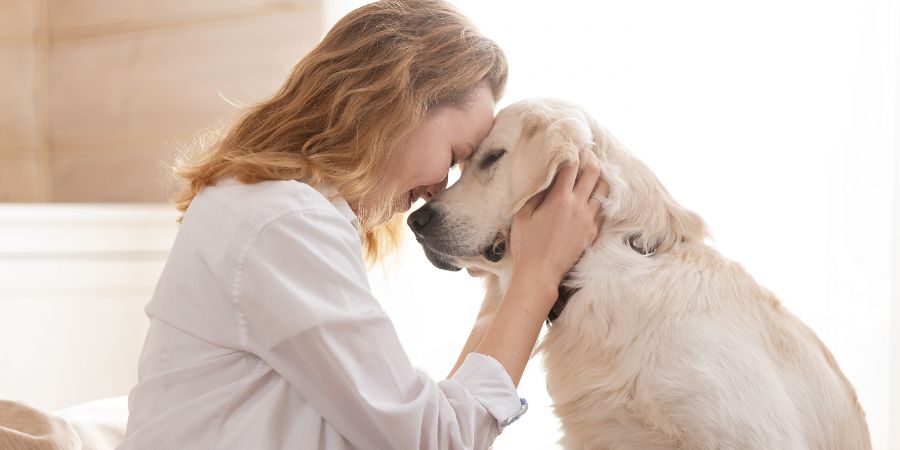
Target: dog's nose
418,221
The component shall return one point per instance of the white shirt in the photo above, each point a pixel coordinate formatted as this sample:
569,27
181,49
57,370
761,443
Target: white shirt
264,335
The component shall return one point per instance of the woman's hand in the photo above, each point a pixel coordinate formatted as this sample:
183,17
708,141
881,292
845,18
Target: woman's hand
548,236
551,231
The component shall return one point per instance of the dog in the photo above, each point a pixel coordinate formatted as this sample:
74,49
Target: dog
657,341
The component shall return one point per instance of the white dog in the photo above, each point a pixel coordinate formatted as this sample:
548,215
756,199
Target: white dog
657,341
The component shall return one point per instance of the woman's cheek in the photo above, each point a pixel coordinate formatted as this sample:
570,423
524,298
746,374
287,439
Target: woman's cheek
439,174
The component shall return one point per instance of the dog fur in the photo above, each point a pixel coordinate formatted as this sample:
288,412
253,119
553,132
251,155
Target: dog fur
681,349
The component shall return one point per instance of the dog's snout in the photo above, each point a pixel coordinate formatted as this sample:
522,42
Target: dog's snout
420,220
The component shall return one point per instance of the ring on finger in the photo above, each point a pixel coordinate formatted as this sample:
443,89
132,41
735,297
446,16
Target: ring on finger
598,198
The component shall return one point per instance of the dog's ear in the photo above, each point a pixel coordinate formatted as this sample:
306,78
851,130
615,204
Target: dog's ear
667,224
553,142
638,201
644,205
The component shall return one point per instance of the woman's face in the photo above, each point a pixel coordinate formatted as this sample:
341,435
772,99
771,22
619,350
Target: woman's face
448,135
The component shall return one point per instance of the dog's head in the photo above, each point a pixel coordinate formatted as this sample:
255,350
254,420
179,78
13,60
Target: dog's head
468,224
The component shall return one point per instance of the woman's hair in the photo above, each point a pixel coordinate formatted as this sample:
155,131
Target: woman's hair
347,105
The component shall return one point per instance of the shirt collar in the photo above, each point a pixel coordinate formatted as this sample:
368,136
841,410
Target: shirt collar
344,208
332,194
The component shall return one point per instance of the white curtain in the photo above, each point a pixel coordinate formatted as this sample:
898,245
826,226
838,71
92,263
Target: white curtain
775,120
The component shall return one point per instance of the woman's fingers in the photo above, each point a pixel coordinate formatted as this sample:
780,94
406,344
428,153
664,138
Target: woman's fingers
601,192
585,184
590,175
565,179
602,188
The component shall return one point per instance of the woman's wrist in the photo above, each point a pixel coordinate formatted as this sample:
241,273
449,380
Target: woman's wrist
511,336
510,339
536,277
475,336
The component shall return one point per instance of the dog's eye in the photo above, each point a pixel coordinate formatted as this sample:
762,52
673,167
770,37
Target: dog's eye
492,158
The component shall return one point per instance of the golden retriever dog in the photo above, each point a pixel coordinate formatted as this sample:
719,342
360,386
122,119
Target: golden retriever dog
657,341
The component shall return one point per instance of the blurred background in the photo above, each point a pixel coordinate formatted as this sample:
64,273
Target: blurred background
776,120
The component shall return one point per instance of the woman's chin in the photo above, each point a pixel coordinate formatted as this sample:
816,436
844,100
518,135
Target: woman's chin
402,204
399,205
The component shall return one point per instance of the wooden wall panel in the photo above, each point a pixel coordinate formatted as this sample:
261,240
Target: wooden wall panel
22,147
118,103
166,83
22,177
98,92
18,116
113,172
19,20
77,19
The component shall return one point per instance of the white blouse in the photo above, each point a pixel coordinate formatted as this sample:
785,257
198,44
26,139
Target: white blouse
264,335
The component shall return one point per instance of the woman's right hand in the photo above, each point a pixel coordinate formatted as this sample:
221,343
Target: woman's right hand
551,231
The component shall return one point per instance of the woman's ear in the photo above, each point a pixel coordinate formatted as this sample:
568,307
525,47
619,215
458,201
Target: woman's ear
547,146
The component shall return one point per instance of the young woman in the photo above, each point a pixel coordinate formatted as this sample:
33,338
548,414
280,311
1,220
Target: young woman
263,331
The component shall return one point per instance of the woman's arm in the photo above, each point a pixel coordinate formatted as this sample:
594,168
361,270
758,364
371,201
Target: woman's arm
486,313
482,323
512,333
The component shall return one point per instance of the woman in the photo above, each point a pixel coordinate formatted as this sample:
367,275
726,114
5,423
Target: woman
263,332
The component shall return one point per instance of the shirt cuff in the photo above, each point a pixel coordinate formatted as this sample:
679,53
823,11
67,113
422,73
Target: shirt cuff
491,385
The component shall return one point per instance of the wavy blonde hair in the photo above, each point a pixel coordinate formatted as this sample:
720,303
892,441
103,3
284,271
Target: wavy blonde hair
347,104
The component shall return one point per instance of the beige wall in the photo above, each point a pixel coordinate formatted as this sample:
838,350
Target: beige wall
99,93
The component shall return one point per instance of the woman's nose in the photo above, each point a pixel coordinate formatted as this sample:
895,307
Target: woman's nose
435,189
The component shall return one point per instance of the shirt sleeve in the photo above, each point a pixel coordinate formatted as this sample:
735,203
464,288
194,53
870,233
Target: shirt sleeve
306,309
